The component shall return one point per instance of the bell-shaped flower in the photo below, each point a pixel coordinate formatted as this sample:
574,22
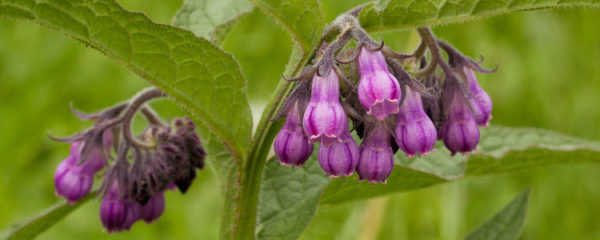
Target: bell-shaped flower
339,158
324,118
378,90
481,103
459,130
291,145
117,213
415,132
376,156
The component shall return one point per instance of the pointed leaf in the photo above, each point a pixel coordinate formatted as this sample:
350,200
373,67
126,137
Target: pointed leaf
505,225
30,228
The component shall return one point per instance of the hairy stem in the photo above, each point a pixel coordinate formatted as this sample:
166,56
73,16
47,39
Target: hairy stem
138,101
431,43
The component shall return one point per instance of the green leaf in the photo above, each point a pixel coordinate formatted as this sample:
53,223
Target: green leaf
501,149
211,19
287,199
30,228
507,224
388,15
302,18
197,74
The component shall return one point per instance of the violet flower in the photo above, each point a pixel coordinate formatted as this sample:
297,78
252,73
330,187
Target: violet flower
415,132
291,145
376,156
378,90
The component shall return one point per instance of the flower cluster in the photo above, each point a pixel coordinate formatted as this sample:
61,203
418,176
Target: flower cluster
389,108
138,169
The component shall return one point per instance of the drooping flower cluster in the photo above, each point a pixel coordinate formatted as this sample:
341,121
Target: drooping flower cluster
388,108
138,170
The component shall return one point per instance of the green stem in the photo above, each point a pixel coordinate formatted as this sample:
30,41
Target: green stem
247,204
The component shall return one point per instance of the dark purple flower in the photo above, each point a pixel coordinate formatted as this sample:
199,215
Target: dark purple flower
116,213
376,156
415,132
378,90
459,130
481,102
324,118
339,158
291,145
152,210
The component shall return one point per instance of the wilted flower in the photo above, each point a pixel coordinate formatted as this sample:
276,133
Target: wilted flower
324,118
376,156
378,90
291,145
339,158
415,132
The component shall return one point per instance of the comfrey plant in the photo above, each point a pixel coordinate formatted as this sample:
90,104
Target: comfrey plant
138,169
353,115
385,104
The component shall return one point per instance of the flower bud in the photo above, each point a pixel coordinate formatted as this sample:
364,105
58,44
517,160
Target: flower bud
481,103
378,90
339,158
459,131
324,118
152,210
376,156
415,132
71,181
116,213
291,145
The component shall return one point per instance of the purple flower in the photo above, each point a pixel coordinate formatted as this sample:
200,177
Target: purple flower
459,130
481,102
116,213
415,132
324,118
152,210
291,145
72,179
376,156
378,90
339,158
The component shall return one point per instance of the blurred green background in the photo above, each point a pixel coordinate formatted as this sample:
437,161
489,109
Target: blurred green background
549,77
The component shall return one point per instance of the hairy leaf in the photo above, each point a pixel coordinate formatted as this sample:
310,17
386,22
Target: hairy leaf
505,225
37,224
302,18
287,199
211,19
402,14
501,150
197,74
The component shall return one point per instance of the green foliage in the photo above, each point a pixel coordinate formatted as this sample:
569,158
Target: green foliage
193,71
302,18
388,15
507,224
211,19
287,198
37,224
501,150
207,82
